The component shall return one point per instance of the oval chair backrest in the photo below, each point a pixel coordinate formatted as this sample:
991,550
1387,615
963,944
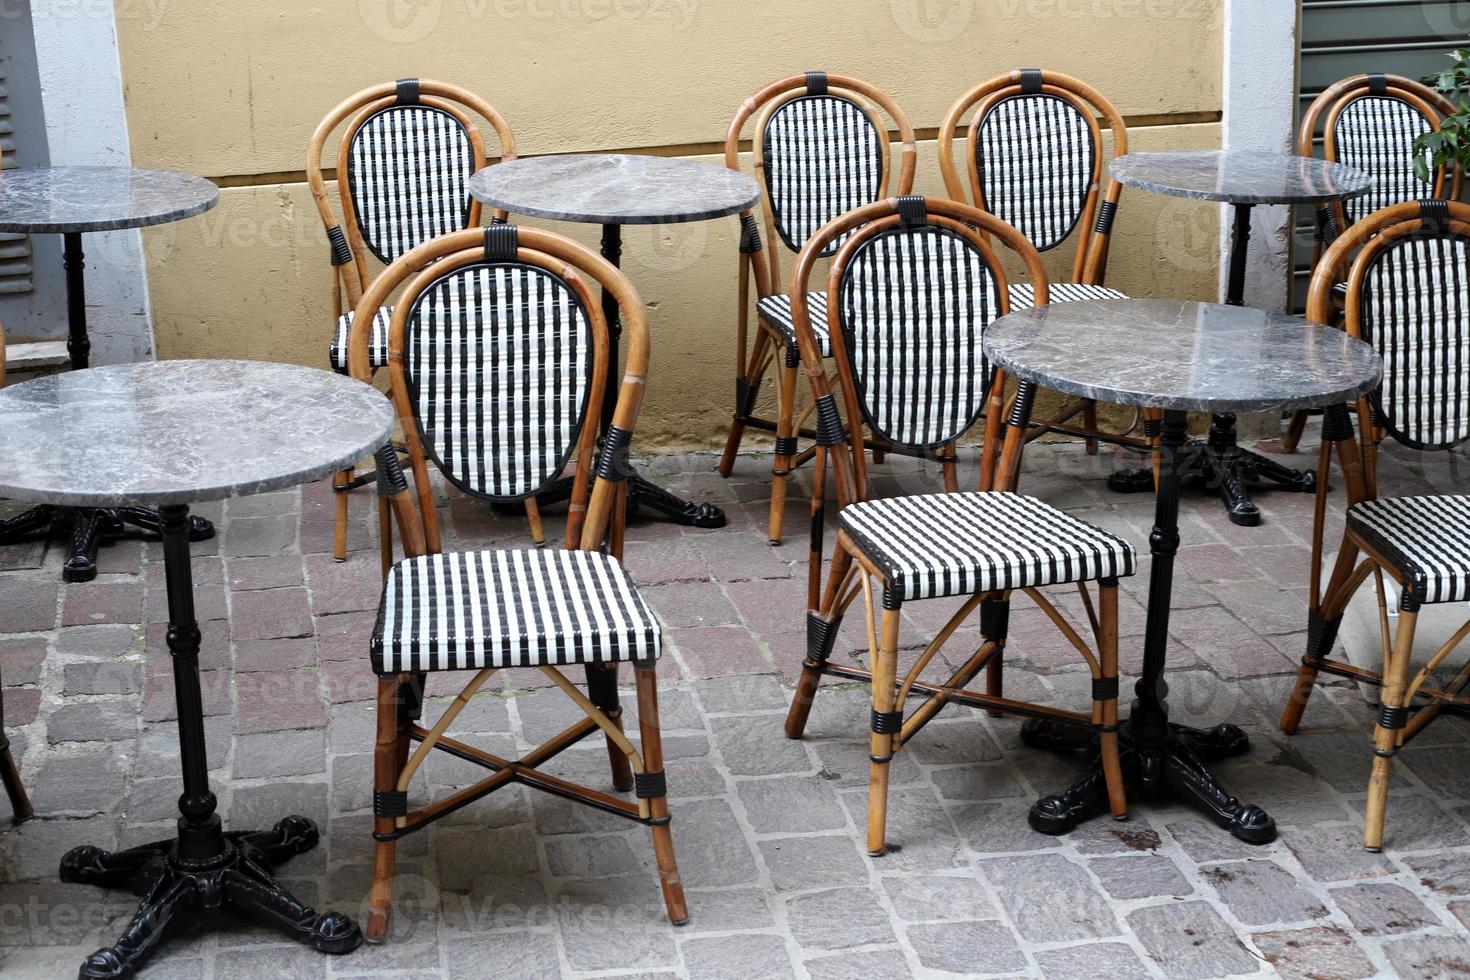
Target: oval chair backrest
499,359
1376,134
1413,307
823,156
1036,160
912,301
408,173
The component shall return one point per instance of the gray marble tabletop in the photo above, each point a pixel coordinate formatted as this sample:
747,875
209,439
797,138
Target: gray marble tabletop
1177,354
615,189
180,432
58,200
1240,176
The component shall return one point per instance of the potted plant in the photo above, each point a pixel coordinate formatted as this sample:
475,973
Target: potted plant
1451,143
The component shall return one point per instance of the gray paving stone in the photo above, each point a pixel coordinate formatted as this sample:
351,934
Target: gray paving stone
1262,892
803,863
80,783
887,963
92,721
1112,960
1307,954
919,834
966,947
732,909
1429,956
1141,876
1050,899
754,745
534,952
939,898
102,678
712,851
1446,874
838,918
1190,941
1383,908
750,957
1336,853
298,753
790,804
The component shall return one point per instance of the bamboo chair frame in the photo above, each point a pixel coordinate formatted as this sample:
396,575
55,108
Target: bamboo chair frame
1331,217
597,515
765,348
20,803
1094,226
1400,719
349,250
852,573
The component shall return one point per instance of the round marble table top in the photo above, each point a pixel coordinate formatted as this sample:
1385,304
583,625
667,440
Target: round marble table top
58,200
1240,176
1174,354
179,432
615,189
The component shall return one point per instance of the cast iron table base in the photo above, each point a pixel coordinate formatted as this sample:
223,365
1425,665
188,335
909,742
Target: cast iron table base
1219,464
204,872
87,528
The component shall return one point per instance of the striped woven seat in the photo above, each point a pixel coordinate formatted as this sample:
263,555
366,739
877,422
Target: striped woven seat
377,345
935,545
776,310
1023,294
1426,538
522,608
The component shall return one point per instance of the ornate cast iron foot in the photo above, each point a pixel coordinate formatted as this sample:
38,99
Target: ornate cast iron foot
175,892
643,493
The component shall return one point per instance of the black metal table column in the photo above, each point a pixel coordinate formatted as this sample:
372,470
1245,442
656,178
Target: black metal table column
1158,756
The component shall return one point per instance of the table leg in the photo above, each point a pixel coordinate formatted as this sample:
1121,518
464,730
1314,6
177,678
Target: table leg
1158,756
203,871
86,528
1218,463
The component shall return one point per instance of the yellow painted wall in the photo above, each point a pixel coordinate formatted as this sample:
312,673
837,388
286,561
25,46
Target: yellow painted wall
232,91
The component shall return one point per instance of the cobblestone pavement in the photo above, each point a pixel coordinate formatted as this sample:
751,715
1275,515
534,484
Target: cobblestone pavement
768,831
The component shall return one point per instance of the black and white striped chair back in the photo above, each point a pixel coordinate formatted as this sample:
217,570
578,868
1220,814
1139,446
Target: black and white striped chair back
913,301
1414,310
408,172
822,156
1035,158
499,359
1376,134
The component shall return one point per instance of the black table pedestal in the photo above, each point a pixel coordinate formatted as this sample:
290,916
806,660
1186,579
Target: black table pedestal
203,872
86,529
1219,464
1158,757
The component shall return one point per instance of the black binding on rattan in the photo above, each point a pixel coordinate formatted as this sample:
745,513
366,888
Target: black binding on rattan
995,618
829,422
613,463
1106,212
408,91
341,253
912,211
390,803
1104,688
821,636
390,479
1021,408
1153,427
1410,601
745,395
1030,81
887,722
891,600
648,785
750,234
1393,718
1321,634
1336,424
786,446
1378,84
1434,217
816,83
501,243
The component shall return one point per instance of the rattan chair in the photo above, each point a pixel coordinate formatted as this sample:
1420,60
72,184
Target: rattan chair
20,803
1408,295
821,147
1370,122
403,163
498,348
1034,157
911,288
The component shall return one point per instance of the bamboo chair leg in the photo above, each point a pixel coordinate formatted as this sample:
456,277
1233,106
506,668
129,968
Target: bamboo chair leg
1154,424
749,381
602,690
811,670
785,447
658,806
885,671
1386,737
340,483
20,803
1105,710
1089,422
817,529
1294,431
533,517
386,764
